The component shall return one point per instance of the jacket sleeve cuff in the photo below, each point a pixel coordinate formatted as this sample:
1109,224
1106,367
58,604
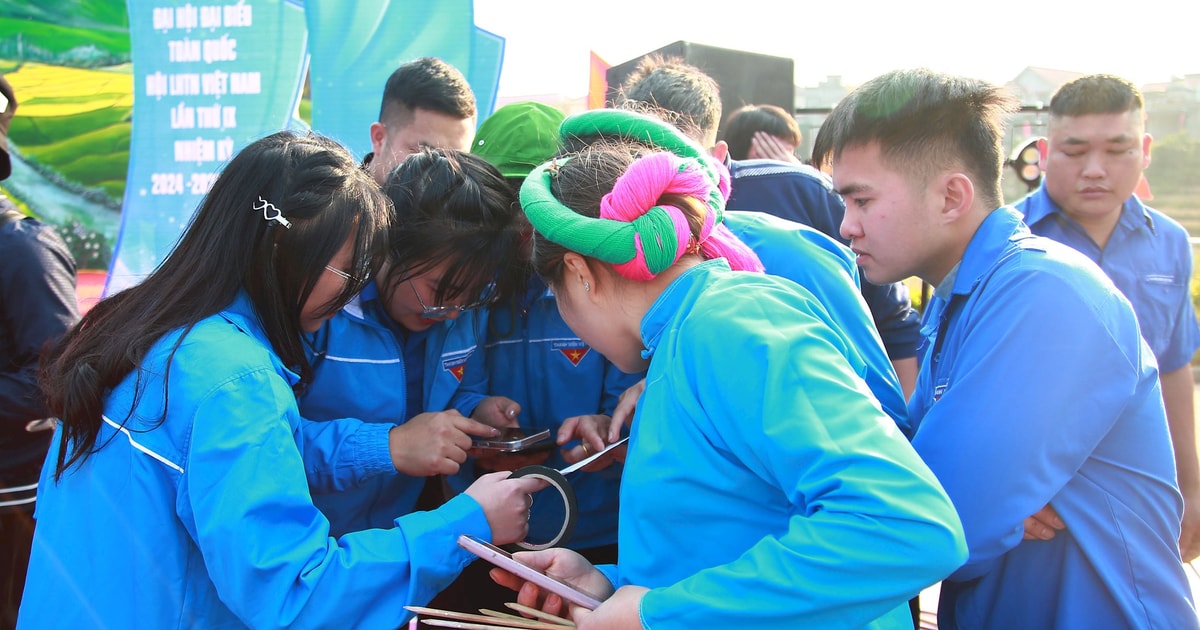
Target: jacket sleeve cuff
468,517
460,515
373,457
466,402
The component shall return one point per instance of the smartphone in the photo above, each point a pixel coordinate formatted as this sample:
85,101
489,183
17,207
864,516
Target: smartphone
504,560
512,440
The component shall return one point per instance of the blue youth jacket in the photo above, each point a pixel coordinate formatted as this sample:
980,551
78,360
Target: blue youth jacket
828,270
359,372
533,357
765,487
202,517
1148,257
1036,388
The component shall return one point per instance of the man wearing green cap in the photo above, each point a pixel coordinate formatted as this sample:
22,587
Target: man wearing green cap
518,137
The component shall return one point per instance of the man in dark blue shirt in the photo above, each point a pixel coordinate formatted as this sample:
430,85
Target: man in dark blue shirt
37,305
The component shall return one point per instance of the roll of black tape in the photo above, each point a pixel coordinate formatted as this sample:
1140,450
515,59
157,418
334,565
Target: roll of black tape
560,483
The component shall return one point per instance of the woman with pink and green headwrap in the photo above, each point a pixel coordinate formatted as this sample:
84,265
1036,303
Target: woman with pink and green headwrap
764,487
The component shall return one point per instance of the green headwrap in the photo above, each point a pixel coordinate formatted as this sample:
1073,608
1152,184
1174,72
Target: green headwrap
650,131
606,239
631,126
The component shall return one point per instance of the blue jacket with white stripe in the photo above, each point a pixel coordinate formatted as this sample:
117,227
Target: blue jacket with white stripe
360,372
195,510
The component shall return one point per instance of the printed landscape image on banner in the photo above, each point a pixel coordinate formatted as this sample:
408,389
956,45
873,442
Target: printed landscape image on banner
126,112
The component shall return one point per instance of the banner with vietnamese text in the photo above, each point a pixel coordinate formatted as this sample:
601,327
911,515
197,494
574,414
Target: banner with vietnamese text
208,78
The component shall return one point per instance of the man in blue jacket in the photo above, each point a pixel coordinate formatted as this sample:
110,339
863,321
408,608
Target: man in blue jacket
1094,153
1035,385
548,377
534,358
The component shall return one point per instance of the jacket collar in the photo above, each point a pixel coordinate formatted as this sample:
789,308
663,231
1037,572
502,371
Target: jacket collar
679,296
1134,215
242,315
996,235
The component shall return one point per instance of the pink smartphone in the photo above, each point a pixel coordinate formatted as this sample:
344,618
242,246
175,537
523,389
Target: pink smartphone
504,560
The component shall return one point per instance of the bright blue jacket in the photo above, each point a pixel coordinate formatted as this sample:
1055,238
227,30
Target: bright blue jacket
534,358
1036,388
765,486
1148,257
202,517
359,372
828,270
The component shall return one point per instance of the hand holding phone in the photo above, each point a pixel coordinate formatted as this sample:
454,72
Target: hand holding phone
504,560
431,443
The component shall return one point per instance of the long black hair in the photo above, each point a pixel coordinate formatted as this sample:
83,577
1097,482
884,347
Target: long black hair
229,247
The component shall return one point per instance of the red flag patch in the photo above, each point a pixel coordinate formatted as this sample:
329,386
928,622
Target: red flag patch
575,355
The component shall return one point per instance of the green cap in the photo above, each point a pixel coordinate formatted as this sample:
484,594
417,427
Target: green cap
518,137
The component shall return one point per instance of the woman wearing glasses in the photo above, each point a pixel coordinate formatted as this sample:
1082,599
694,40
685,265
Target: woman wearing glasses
177,492
399,348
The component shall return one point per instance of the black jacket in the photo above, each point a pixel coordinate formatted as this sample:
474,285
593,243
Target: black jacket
37,305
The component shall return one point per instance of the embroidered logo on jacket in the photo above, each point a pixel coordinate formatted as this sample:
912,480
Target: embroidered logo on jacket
456,365
574,350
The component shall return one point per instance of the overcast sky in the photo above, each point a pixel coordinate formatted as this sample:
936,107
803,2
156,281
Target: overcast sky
547,41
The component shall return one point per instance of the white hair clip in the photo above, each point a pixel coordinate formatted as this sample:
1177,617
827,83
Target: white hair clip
271,213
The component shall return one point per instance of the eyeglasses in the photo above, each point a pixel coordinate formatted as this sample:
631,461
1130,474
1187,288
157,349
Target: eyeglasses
345,276
441,312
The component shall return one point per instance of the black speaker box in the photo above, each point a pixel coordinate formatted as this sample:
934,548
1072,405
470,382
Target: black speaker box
745,78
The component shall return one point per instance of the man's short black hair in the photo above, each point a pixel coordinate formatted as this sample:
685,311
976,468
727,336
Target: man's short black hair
924,121
427,83
672,84
1096,94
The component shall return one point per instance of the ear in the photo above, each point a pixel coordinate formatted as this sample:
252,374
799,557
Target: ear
1147,139
378,134
1043,151
958,192
578,277
720,150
